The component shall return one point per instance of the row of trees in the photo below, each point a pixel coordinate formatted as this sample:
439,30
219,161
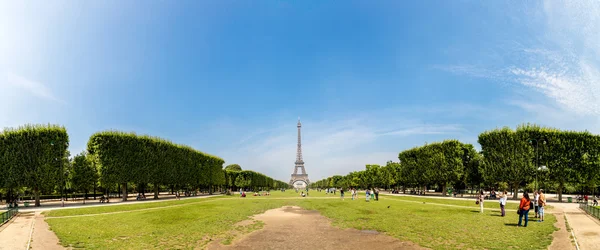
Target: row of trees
443,163
129,158
36,157
516,157
508,159
247,179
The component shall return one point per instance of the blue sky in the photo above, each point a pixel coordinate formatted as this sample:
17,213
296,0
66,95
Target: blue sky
368,79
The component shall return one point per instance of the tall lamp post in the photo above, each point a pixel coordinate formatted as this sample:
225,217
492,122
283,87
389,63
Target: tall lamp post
537,158
541,168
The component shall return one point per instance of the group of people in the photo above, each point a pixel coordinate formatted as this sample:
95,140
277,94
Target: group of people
370,195
140,196
537,204
584,198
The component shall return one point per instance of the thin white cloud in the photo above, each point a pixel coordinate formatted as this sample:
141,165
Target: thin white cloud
32,87
560,59
426,130
470,70
567,71
578,92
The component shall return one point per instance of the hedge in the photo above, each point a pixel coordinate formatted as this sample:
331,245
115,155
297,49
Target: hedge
251,179
130,158
32,156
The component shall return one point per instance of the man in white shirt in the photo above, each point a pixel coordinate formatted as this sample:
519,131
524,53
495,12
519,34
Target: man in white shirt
536,198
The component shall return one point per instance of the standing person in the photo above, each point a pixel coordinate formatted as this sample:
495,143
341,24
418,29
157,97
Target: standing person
481,198
541,205
503,198
368,195
376,194
524,208
353,192
342,193
373,194
536,198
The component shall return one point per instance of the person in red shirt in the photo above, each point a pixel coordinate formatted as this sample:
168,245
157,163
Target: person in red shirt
524,209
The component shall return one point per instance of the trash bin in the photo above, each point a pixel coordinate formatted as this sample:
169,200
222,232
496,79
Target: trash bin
570,199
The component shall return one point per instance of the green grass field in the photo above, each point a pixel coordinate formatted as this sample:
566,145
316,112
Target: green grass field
191,223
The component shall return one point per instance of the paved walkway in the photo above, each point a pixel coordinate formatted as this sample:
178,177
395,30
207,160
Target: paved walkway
585,227
29,224
15,234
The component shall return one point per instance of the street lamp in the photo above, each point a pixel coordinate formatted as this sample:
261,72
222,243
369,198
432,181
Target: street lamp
537,158
541,168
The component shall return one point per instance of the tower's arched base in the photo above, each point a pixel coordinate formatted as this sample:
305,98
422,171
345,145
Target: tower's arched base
303,178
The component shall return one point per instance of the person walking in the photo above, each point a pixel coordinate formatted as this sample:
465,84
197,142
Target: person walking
503,198
541,205
368,194
481,198
524,209
376,194
342,193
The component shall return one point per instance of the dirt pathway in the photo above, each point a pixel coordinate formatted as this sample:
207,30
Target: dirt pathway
560,239
295,228
43,238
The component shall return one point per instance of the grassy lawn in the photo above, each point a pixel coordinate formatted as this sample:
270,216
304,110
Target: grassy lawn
456,202
194,222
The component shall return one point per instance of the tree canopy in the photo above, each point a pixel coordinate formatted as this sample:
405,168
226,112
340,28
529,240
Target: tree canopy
233,167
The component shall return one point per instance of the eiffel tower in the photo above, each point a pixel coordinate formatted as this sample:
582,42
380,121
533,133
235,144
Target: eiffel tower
296,177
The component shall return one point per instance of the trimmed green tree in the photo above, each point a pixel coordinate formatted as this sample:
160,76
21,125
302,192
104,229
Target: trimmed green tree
32,156
84,175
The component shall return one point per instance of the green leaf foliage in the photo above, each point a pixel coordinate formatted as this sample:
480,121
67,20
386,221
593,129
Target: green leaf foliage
127,157
233,167
83,174
32,156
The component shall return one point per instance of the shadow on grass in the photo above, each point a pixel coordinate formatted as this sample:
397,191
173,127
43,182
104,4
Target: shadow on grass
511,224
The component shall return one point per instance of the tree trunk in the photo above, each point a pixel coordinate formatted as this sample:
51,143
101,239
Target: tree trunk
36,192
84,196
559,190
443,189
124,191
155,191
516,193
94,191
